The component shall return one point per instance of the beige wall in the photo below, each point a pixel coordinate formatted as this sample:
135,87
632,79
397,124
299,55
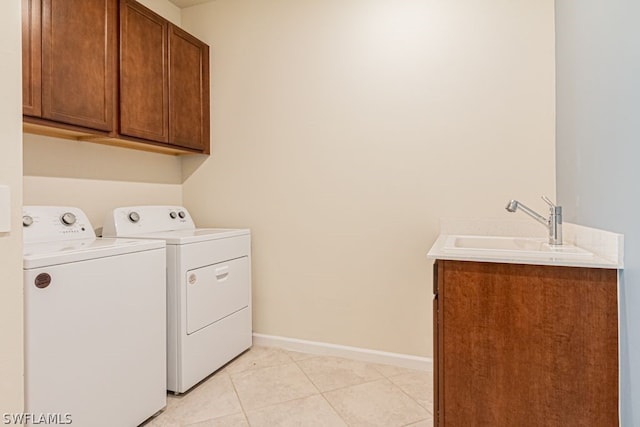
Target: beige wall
97,178
164,8
11,344
343,131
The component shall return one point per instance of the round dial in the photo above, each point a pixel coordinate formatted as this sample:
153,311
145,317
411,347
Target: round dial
172,214
134,216
27,221
181,214
68,218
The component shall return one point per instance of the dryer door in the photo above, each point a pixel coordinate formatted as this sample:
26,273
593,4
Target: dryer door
216,291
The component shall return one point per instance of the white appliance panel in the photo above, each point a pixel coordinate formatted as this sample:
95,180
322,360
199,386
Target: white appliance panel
192,357
93,344
44,254
216,291
196,255
133,220
211,348
55,224
207,326
196,235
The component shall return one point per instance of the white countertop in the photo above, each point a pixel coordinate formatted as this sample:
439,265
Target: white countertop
595,248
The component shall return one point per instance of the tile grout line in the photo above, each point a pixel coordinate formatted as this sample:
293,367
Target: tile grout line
299,365
382,377
251,369
292,362
321,394
244,412
410,397
263,367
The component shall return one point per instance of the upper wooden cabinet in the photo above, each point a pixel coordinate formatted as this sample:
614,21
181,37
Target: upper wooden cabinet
164,80
149,91
69,57
144,85
31,58
188,90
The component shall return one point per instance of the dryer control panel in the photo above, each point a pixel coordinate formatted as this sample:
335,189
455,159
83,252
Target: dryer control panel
136,220
55,223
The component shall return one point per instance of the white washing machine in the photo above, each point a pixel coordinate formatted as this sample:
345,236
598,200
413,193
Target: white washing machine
95,323
208,288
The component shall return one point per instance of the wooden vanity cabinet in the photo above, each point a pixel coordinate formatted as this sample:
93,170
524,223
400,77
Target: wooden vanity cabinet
524,345
68,63
164,80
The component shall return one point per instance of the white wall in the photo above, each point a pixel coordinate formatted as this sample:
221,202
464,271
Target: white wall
343,131
598,100
11,347
97,178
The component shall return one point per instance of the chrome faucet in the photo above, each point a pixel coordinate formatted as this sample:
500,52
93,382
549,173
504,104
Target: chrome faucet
553,223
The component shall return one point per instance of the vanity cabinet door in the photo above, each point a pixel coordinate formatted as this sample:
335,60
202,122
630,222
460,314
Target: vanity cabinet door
526,345
436,342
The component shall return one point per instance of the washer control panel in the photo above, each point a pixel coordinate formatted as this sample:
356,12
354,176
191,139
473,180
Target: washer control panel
135,220
55,223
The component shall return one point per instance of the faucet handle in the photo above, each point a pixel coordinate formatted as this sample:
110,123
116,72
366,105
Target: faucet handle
549,202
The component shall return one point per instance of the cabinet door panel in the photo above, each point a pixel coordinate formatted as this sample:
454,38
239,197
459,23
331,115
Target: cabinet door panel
527,345
438,266
31,60
144,99
78,62
189,90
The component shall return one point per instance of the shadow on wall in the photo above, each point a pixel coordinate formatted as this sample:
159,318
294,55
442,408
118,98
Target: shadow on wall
60,158
191,163
625,362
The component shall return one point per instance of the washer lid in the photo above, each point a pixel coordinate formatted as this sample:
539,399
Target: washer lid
183,237
46,254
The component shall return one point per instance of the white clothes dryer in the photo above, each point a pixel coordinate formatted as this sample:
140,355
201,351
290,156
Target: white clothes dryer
208,288
95,323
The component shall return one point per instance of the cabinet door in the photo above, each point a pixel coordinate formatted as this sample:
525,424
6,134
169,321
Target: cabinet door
144,91
78,62
31,63
436,343
188,90
527,345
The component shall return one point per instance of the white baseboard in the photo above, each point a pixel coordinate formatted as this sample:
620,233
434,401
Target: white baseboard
357,353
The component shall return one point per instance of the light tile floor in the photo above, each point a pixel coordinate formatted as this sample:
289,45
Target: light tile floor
273,387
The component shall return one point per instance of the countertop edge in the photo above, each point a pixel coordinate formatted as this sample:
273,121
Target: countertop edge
607,248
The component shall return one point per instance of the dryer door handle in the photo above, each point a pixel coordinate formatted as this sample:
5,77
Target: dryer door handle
222,273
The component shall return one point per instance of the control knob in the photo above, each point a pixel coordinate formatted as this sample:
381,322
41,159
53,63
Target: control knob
134,216
181,214
27,221
172,214
68,218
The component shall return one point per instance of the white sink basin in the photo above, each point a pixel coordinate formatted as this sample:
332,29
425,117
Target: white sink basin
516,246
